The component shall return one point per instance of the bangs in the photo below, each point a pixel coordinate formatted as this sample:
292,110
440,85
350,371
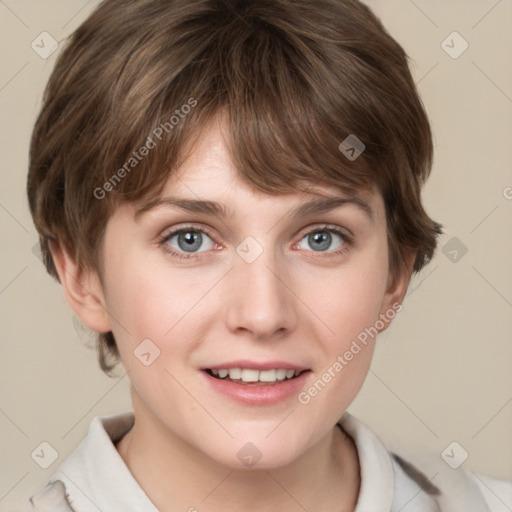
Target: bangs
285,115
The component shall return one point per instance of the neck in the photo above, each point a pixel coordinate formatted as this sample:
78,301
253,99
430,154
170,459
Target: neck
175,476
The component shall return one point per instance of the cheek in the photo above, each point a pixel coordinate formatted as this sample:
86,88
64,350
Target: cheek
142,301
150,299
350,298
349,304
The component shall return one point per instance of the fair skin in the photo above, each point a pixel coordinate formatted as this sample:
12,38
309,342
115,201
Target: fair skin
294,303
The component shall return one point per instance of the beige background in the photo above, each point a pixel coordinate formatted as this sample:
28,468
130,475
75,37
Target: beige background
441,373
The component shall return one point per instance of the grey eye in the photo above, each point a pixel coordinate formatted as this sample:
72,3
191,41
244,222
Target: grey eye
321,240
189,240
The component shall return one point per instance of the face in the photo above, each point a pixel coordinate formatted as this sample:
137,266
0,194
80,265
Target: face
262,290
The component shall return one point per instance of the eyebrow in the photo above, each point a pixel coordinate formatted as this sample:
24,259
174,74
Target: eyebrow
316,206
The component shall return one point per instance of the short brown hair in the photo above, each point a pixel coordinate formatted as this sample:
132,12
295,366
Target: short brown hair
295,78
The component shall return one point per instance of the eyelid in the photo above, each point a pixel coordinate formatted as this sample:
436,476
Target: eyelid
328,227
166,233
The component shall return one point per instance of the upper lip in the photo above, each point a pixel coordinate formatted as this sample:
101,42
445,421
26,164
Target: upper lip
254,365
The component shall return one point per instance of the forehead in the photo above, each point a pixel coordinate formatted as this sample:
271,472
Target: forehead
207,171
207,181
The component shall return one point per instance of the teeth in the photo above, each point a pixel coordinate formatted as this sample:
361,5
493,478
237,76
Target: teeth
235,373
268,375
248,375
280,374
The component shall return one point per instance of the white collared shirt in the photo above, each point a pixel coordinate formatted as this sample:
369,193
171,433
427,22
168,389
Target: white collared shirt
95,477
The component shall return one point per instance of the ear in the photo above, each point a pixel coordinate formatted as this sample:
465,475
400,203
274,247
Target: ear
82,288
396,291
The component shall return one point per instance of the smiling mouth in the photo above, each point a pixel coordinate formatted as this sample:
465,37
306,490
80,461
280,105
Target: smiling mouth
255,377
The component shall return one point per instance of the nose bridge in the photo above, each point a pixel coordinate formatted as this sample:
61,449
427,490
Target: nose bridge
262,302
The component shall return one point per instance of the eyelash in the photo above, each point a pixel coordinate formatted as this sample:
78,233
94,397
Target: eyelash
347,239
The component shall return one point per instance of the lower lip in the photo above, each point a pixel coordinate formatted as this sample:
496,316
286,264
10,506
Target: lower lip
258,394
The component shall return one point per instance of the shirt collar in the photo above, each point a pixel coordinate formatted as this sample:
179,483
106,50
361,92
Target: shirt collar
95,475
376,470
97,478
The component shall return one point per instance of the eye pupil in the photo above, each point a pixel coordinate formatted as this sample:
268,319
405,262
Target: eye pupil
192,240
322,238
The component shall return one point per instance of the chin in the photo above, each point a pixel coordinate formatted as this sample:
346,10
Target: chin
260,454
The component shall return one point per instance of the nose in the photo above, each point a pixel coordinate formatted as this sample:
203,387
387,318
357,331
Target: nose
260,298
